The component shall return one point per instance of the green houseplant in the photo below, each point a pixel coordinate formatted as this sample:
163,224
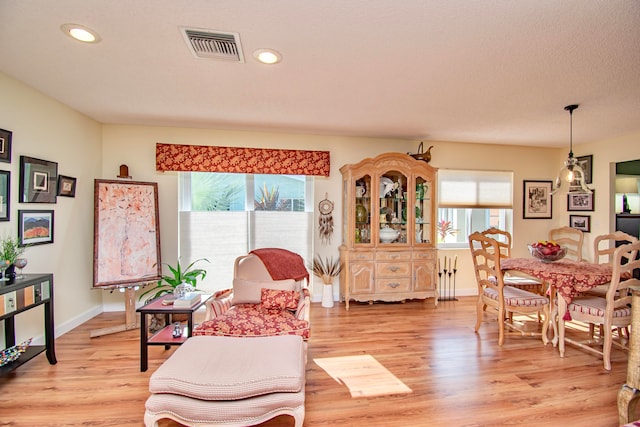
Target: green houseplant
170,282
10,249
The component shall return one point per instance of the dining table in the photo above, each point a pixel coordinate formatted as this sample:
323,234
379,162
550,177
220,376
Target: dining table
564,279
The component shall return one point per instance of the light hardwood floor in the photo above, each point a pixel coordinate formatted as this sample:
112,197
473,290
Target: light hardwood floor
456,377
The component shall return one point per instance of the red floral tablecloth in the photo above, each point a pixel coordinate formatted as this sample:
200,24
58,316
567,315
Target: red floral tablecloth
568,277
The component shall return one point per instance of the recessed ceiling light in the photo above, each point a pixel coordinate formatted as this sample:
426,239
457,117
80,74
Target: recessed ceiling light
80,33
267,56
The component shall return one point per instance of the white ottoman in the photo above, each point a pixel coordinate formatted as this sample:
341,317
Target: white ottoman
229,381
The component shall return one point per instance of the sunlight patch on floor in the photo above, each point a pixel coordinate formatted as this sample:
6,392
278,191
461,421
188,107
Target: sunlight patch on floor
363,375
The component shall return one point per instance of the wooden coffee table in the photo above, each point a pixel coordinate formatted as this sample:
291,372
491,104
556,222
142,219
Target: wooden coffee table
165,335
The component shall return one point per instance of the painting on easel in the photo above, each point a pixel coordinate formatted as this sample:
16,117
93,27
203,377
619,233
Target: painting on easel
126,233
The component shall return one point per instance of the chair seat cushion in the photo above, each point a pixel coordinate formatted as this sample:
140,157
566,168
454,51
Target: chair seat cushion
595,306
225,368
518,297
251,320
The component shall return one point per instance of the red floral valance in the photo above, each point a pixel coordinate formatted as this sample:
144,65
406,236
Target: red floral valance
204,158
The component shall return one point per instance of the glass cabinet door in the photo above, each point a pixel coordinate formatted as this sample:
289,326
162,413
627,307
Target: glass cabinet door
363,197
393,213
423,209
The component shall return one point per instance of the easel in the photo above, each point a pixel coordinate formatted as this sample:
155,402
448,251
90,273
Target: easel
108,195
130,319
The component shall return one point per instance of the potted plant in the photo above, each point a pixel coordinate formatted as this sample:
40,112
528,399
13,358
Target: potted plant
10,250
327,269
172,284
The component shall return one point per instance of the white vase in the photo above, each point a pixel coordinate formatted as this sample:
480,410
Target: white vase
327,295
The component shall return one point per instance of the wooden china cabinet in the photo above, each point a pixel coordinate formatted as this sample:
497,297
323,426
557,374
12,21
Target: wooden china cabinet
388,249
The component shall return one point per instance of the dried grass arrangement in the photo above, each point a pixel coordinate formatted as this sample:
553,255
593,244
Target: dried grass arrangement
326,269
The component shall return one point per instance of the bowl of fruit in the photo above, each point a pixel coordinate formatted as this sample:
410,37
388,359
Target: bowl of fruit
547,250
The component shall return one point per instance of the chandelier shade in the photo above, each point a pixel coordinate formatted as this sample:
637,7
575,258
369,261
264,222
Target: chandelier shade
571,176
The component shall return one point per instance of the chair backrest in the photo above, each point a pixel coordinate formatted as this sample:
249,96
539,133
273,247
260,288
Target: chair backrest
571,238
250,267
502,238
604,245
624,262
486,262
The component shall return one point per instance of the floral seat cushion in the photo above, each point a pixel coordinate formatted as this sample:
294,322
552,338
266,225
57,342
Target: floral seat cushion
246,320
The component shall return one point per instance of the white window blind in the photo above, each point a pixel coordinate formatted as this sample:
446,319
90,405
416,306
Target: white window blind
475,189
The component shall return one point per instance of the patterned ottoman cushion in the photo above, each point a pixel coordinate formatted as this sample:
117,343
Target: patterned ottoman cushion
227,368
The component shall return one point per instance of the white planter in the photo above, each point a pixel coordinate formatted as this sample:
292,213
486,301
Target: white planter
327,295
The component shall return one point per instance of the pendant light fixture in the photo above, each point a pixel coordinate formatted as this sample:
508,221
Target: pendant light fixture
571,176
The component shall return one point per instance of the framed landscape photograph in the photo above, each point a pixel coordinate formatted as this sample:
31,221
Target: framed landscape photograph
66,186
580,201
580,222
537,202
35,227
5,191
38,180
586,163
5,146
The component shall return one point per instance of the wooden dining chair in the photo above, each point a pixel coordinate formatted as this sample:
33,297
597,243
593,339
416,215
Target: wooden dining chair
570,238
506,300
613,311
604,247
522,281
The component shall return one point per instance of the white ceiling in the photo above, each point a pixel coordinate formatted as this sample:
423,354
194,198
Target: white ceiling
497,71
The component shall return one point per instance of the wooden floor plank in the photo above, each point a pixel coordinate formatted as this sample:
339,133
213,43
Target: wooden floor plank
456,377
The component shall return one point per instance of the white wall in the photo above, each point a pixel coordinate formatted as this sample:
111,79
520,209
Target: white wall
135,146
87,150
46,129
605,155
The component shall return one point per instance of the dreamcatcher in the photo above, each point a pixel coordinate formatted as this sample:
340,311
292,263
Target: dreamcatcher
325,225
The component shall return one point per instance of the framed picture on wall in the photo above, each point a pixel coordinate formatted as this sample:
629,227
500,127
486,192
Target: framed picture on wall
580,201
35,227
5,146
66,186
580,222
126,244
5,199
537,202
586,163
38,180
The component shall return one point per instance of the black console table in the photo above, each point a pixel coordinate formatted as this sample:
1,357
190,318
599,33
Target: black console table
21,295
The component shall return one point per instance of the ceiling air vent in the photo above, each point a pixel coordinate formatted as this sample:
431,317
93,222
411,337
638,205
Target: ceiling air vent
213,44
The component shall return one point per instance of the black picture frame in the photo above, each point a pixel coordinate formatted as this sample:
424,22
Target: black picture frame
586,163
35,227
536,200
5,145
5,195
580,222
580,201
38,180
66,186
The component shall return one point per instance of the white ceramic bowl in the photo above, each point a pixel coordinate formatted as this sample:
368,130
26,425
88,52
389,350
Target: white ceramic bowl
388,235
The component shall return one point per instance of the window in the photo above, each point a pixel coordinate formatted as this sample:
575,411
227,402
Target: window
225,215
472,201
